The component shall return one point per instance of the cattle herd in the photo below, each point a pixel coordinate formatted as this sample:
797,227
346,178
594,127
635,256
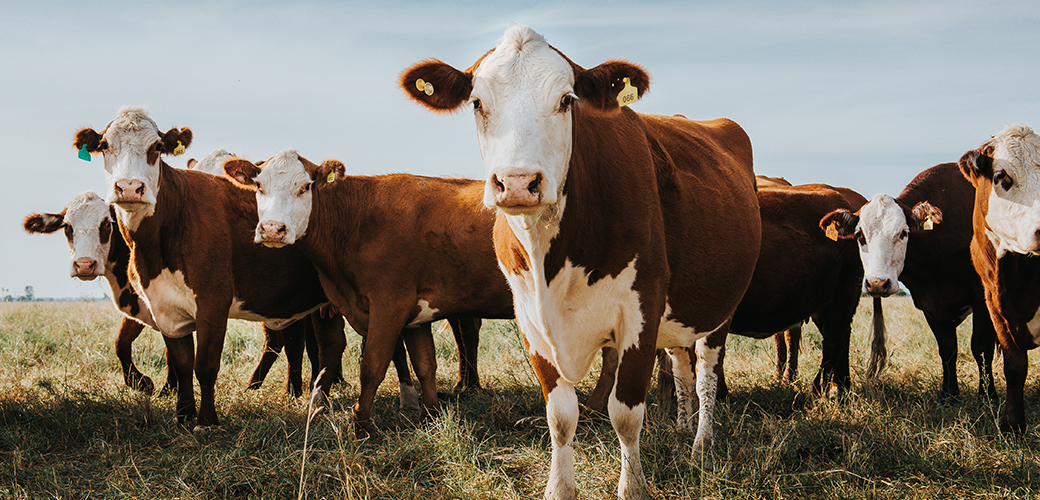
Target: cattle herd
639,236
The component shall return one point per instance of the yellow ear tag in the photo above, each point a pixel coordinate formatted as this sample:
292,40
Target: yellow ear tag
331,177
179,150
424,86
928,224
628,95
832,231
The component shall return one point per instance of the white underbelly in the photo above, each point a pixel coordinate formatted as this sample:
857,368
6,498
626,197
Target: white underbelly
673,333
172,304
1034,327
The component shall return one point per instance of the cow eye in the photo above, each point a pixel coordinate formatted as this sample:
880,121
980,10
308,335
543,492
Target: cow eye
68,231
303,189
259,188
860,238
477,106
904,233
1001,177
566,102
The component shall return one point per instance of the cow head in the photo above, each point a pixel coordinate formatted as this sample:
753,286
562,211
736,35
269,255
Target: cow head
131,146
88,223
212,163
283,192
523,93
882,229
1005,171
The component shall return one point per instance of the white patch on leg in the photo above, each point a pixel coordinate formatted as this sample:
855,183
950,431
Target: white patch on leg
628,423
426,314
707,385
561,411
682,372
409,398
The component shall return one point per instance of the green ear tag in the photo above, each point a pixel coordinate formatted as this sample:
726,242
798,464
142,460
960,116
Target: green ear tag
179,150
83,153
628,95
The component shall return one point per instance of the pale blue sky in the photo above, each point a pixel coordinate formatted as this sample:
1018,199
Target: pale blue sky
857,94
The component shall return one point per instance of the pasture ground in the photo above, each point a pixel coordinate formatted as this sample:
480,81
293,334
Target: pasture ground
70,429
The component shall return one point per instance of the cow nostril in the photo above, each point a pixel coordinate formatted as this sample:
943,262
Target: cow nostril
533,186
140,190
281,230
497,183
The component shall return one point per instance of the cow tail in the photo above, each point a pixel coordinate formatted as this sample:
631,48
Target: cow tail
878,351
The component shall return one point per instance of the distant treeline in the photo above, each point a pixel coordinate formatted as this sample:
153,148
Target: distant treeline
30,296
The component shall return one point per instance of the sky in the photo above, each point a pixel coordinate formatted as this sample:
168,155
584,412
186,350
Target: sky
863,95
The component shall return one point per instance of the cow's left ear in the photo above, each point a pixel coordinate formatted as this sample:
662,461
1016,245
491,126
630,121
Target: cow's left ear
839,224
175,141
242,172
44,223
924,216
328,172
437,85
977,163
600,86
90,140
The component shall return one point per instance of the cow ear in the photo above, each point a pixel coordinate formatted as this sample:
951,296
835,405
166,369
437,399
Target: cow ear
192,162
924,215
89,139
840,223
44,223
600,86
175,140
977,163
241,171
329,171
437,85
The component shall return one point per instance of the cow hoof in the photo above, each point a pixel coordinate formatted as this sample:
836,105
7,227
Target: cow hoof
205,430
409,399
185,422
1012,428
142,384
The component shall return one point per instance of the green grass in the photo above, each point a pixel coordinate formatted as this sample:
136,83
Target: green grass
70,429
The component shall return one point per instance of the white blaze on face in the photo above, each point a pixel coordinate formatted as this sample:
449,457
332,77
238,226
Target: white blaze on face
1014,203
882,235
128,139
522,127
283,195
213,163
88,228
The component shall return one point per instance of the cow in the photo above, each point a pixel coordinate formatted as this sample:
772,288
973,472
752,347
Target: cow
613,229
393,252
801,273
192,258
1004,249
922,238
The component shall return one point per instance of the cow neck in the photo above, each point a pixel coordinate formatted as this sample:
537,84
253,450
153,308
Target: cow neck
339,212
946,188
602,208
154,231
1017,285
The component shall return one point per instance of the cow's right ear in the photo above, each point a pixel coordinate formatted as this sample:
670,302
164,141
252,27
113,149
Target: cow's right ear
839,224
977,163
329,172
600,87
44,223
242,172
89,139
437,85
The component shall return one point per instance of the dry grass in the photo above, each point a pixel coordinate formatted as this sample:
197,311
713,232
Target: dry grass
72,430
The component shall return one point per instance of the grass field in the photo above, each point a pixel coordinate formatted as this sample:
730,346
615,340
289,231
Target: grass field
70,429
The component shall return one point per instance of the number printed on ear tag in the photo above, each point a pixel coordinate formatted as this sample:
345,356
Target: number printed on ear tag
628,95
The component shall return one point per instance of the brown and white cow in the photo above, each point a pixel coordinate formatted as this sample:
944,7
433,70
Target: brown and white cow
613,229
192,256
1005,249
922,238
394,253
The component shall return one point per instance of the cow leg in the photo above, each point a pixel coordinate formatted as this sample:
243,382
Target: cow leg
793,339
722,389
781,355
835,325
1016,366
330,341
129,330
172,382
983,341
665,382
424,361
467,338
627,408
273,343
409,397
561,410
598,398
212,328
294,336
384,331
945,332
709,362
684,379
180,354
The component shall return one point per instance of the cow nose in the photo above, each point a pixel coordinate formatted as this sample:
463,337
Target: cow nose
272,231
517,190
85,266
879,287
129,191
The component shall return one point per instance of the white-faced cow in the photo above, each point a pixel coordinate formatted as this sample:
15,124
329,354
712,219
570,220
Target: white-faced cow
613,229
192,257
922,238
394,253
1005,249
